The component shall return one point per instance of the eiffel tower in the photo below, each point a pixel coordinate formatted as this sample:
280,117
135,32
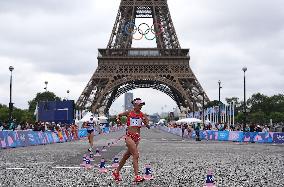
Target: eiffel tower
122,68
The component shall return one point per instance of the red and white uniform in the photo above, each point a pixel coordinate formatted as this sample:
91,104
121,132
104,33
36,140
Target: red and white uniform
134,119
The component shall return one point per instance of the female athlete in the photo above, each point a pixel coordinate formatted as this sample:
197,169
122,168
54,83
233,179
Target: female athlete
134,122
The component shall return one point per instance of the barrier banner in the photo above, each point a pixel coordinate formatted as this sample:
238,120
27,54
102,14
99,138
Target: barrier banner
239,136
106,130
278,138
223,135
235,136
212,135
264,137
24,138
83,133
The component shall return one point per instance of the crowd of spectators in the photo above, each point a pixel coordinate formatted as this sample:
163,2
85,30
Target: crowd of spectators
69,129
226,127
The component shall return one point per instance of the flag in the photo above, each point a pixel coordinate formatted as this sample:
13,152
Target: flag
36,110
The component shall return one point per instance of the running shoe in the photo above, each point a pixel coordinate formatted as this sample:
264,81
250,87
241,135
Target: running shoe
116,175
138,178
90,149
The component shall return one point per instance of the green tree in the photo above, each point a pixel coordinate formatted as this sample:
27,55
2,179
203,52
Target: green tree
212,103
239,118
277,116
276,103
45,96
18,114
258,102
258,117
4,113
233,99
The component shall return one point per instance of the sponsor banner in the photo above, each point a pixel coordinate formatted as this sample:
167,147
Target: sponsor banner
83,133
210,135
259,137
278,137
264,137
223,135
106,130
235,136
9,139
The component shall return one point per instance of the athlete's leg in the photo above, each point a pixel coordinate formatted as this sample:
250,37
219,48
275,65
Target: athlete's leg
126,155
132,147
91,139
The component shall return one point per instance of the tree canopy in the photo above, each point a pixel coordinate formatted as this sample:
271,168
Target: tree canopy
44,96
26,114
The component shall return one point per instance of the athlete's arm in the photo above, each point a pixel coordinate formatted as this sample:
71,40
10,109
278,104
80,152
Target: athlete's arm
85,124
146,121
118,118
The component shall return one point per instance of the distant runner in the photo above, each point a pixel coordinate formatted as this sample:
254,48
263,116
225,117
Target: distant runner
90,125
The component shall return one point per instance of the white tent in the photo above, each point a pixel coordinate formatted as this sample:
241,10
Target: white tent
189,120
102,118
207,121
162,121
87,117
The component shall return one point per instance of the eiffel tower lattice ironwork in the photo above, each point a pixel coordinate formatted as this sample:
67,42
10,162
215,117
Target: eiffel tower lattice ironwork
122,68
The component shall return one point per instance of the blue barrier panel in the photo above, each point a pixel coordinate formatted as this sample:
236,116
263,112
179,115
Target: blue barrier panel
82,133
235,136
106,130
10,139
239,136
23,137
278,138
26,138
263,137
223,135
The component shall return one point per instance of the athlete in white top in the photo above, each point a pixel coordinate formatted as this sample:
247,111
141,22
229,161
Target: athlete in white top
90,125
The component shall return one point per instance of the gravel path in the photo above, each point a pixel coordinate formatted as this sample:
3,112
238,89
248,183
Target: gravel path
175,162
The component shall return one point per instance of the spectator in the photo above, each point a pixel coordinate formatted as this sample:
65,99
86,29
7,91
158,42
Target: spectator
252,128
12,125
183,127
265,129
197,128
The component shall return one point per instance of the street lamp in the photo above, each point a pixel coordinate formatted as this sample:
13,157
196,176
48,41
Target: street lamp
11,68
219,118
45,82
245,105
68,91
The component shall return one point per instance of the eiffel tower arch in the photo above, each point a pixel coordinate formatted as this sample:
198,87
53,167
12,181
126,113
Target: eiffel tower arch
122,68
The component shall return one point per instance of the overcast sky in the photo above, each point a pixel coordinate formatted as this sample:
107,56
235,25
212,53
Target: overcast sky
57,41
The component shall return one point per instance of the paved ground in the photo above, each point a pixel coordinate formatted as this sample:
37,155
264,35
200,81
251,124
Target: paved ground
175,162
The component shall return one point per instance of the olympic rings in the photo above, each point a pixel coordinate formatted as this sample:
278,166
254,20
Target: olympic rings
126,28
131,29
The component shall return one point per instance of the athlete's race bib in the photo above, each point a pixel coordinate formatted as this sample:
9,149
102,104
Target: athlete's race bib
135,122
91,125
